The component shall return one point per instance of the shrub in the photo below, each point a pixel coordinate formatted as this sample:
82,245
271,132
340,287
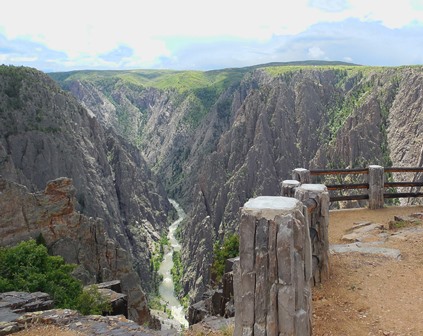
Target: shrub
91,301
28,267
228,249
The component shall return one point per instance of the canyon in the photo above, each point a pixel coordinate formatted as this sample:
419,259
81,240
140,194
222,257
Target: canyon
129,140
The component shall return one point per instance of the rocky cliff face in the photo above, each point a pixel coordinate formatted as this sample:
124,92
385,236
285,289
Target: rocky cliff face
215,153
45,133
405,126
81,240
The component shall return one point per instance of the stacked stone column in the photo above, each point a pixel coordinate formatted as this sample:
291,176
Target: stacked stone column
302,175
316,198
288,187
272,279
376,187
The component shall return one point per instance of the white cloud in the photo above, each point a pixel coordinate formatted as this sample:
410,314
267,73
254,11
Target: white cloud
11,58
329,5
96,26
316,53
392,14
86,29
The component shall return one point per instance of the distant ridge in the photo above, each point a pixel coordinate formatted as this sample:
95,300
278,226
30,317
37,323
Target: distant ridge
291,63
55,74
182,80
308,62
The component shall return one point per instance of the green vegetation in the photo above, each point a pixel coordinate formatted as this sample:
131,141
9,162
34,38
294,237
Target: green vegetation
196,111
345,107
92,302
400,224
194,91
228,249
155,261
160,250
28,267
180,81
13,78
154,299
185,302
177,272
280,69
155,302
353,84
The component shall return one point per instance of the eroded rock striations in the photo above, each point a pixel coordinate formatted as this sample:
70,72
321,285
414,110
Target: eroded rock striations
46,134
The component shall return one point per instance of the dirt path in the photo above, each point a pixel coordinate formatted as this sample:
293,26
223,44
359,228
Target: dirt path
371,294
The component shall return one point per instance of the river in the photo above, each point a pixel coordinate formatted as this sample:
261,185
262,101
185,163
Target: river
166,288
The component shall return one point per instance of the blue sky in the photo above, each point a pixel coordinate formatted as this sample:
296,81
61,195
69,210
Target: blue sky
56,35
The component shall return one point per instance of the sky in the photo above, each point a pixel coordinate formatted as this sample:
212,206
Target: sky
56,35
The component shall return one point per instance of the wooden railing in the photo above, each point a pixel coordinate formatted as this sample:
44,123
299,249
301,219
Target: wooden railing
305,174
403,184
344,186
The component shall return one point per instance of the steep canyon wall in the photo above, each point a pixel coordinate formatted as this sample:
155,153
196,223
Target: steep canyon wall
46,134
217,145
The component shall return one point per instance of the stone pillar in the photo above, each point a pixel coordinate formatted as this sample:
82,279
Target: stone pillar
316,198
273,276
302,175
376,186
288,187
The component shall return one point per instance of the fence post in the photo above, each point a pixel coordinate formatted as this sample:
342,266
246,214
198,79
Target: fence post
376,186
302,175
316,198
288,187
273,294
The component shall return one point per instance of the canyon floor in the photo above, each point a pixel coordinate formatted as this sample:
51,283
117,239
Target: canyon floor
366,294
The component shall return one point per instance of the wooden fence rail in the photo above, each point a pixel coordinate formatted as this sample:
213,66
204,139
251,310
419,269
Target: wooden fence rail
376,189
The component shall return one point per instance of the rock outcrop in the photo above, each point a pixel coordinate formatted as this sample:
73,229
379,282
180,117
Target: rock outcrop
216,302
21,310
81,240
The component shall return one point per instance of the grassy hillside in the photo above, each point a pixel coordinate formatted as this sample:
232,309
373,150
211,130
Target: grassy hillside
160,79
186,79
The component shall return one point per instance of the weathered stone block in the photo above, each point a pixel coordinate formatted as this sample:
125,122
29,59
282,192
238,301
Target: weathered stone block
376,186
302,322
286,310
248,284
288,187
272,254
302,175
285,250
272,316
316,198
